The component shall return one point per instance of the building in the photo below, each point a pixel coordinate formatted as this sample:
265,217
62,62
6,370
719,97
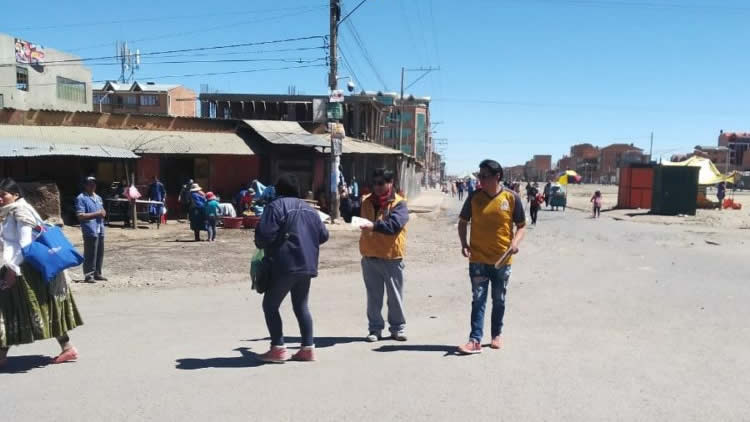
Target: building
144,98
34,77
538,167
371,116
739,149
615,156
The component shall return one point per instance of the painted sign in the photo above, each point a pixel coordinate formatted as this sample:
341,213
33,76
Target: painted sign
337,96
28,53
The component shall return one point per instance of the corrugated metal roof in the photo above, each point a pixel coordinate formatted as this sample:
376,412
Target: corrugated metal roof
139,141
356,146
145,86
291,133
287,133
18,147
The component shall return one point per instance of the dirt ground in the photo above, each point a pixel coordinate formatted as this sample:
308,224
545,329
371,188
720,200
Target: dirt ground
606,320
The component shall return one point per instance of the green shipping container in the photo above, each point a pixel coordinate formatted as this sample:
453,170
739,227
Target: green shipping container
675,190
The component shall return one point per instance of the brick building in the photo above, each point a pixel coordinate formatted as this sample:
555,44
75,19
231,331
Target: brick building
615,156
739,149
538,167
144,98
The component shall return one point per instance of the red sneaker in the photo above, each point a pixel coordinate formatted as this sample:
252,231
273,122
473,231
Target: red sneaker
471,348
497,342
66,356
277,354
305,354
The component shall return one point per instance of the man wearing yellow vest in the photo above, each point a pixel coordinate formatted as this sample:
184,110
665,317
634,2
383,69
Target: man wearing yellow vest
382,245
492,211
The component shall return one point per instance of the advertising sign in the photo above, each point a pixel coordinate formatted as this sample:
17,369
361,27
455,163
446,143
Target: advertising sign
28,53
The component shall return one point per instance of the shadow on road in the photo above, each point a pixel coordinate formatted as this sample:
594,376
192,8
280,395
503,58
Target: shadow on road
24,364
448,350
247,360
320,342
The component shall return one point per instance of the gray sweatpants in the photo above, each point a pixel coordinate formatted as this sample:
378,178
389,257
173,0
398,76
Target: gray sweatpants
388,275
93,256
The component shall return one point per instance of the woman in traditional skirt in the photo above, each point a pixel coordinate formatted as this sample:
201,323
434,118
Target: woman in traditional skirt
31,309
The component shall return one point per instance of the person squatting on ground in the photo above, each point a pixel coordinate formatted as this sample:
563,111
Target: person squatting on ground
212,215
596,200
290,232
493,212
90,213
31,308
382,244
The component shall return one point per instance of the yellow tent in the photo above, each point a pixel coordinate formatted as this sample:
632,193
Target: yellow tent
563,180
709,174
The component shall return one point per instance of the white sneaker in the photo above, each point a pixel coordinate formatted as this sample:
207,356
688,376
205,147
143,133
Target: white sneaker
373,337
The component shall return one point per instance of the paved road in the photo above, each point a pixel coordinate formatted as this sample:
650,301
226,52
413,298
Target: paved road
607,320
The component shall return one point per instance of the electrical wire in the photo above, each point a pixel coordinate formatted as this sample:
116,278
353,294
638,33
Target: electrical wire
191,75
350,68
156,53
278,60
156,19
365,53
637,5
226,26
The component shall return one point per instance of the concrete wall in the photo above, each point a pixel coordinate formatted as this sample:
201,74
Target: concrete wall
42,93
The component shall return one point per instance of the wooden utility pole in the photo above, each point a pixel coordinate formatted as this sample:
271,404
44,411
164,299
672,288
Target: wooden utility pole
332,84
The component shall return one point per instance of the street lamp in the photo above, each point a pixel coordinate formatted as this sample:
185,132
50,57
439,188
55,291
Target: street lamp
103,98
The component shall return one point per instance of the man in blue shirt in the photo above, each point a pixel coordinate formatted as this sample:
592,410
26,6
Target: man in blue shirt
156,192
90,211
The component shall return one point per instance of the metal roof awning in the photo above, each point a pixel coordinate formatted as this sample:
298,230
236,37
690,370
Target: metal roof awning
139,141
356,146
287,133
18,148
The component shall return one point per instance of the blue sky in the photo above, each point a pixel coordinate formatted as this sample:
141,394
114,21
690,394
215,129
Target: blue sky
517,78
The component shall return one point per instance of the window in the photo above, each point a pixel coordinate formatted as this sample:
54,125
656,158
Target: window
131,100
149,100
70,90
22,78
2,102
102,98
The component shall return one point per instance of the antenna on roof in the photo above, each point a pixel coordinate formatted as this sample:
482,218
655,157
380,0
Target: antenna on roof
129,61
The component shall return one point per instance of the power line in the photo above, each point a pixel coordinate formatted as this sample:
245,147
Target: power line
365,53
191,75
638,5
350,68
216,47
156,19
226,26
278,60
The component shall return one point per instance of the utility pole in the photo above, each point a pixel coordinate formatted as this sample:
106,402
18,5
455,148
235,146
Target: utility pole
651,148
335,13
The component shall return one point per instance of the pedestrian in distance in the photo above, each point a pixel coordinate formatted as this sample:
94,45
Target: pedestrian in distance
721,191
31,308
547,193
492,212
156,192
535,204
382,244
90,212
596,202
453,190
290,232
460,188
185,198
197,211
212,215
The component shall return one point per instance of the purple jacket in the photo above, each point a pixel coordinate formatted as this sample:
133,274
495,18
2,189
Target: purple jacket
298,252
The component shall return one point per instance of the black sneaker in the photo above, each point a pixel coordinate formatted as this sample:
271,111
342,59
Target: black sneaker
100,278
89,280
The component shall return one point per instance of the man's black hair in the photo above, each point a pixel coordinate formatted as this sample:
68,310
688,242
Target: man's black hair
493,167
287,185
384,174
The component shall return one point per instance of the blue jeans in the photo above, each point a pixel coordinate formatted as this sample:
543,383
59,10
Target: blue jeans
481,277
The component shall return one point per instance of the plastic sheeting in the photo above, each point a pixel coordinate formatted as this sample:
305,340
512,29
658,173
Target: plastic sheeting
709,174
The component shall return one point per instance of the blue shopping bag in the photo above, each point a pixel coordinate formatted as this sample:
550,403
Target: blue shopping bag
51,252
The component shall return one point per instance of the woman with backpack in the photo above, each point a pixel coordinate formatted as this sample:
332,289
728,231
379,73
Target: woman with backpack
290,232
31,308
